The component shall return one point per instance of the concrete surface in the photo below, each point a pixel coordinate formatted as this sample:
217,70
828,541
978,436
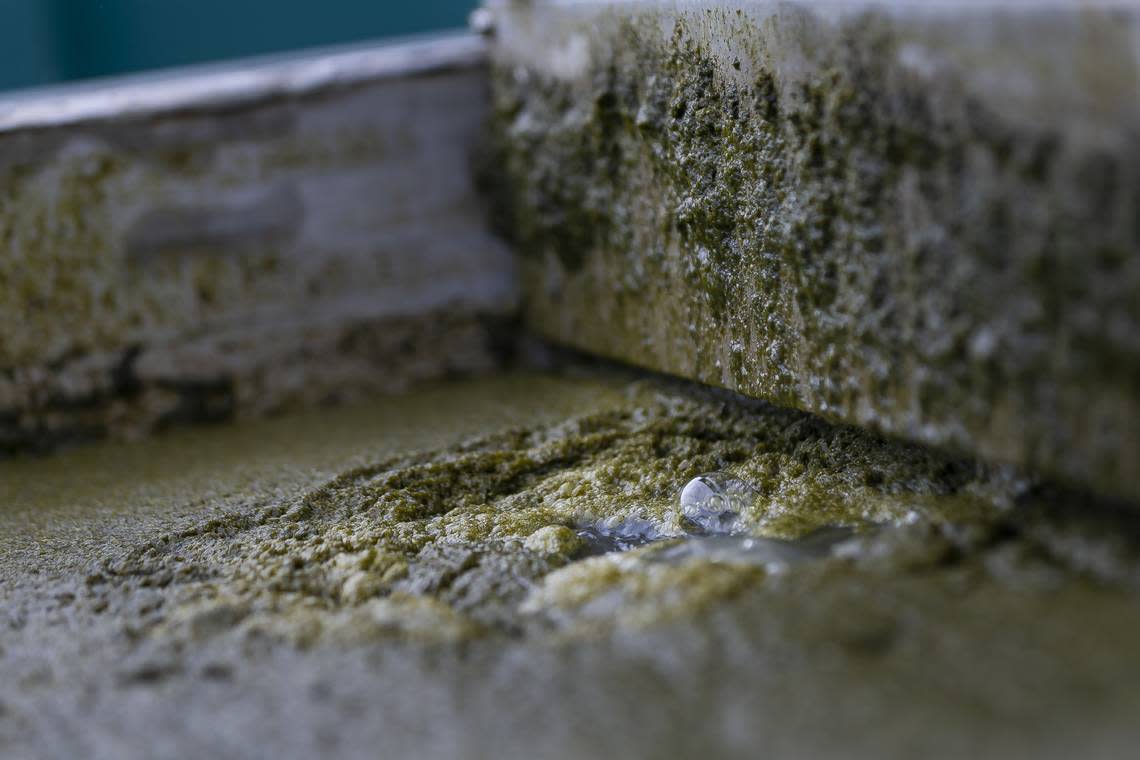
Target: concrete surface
406,578
916,217
233,239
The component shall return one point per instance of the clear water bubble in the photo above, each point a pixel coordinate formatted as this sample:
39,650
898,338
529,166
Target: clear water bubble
773,554
717,502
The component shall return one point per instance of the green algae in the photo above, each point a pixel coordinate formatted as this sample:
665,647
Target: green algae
442,531
486,532
773,202
145,487
208,262
474,527
72,287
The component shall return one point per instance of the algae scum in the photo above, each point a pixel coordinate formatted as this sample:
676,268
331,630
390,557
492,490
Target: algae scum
550,567
573,525
781,205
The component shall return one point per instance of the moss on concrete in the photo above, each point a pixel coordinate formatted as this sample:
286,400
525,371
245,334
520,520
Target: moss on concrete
472,532
842,214
410,572
202,262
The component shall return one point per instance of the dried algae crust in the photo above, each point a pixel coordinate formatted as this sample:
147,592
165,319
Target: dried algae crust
918,219
311,588
502,534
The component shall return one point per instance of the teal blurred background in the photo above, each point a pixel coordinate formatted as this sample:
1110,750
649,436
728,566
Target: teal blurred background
44,41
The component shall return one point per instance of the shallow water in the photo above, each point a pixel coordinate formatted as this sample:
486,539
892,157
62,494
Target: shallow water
773,554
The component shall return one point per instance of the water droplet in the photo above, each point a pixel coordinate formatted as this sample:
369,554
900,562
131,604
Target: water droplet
716,502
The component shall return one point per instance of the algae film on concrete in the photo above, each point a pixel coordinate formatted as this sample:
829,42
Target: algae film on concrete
642,380
919,220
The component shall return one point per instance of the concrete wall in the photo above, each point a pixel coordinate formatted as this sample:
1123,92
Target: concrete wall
917,217
231,240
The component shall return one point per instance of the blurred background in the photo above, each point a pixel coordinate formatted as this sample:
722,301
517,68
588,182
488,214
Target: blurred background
45,41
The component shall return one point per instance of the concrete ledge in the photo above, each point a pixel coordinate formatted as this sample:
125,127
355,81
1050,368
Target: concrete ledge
224,240
918,217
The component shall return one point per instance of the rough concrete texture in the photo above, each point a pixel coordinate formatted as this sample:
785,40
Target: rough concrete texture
234,239
496,568
916,217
